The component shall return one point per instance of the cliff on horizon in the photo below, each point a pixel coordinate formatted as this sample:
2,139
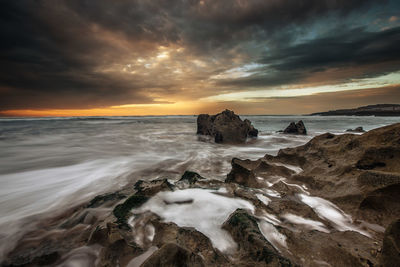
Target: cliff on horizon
370,110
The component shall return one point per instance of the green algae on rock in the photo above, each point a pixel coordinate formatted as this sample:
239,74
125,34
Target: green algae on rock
121,211
191,177
245,231
101,199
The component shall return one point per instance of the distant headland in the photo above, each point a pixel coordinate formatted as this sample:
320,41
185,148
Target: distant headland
371,110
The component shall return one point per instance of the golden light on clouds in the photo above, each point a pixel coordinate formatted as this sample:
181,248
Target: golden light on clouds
357,84
273,106
145,58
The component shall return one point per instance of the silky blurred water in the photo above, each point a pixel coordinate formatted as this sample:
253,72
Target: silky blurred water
54,163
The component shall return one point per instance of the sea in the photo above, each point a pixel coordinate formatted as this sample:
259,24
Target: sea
51,164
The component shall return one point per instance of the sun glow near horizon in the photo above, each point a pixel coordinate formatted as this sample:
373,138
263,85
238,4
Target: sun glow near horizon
245,102
249,103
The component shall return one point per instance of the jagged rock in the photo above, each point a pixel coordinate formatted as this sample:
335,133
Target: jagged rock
190,239
253,132
225,127
150,188
118,253
356,130
122,211
171,255
101,199
241,173
391,245
245,172
252,244
99,236
191,177
359,173
47,249
296,128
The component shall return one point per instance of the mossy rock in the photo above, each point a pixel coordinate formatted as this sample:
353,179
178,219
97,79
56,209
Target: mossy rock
101,199
244,229
243,220
150,188
121,211
191,177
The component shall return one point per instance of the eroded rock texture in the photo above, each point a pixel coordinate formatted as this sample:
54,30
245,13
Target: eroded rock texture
225,127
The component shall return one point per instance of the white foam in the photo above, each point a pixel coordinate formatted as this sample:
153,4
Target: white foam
263,199
322,263
277,180
151,231
307,223
270,233
222,190
329,211
271,192
204,210
297,186
142,231
269,218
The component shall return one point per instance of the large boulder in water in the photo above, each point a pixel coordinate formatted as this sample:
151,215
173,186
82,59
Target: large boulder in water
225,127
296,128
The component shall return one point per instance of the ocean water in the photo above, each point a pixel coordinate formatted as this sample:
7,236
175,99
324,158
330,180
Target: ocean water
50,164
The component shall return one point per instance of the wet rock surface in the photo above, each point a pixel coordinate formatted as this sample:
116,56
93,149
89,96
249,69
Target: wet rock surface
190,177
330,202
254,249
295,128
225,127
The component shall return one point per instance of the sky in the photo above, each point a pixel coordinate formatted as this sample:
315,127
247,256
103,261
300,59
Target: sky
181,57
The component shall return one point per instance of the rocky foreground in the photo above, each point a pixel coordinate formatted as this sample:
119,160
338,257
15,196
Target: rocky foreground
331,202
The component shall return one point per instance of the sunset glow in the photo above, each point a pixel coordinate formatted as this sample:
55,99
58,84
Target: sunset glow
144,58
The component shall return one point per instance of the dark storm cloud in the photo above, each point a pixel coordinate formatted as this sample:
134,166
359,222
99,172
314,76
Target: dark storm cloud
353,49
48,62
65,54
207,25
